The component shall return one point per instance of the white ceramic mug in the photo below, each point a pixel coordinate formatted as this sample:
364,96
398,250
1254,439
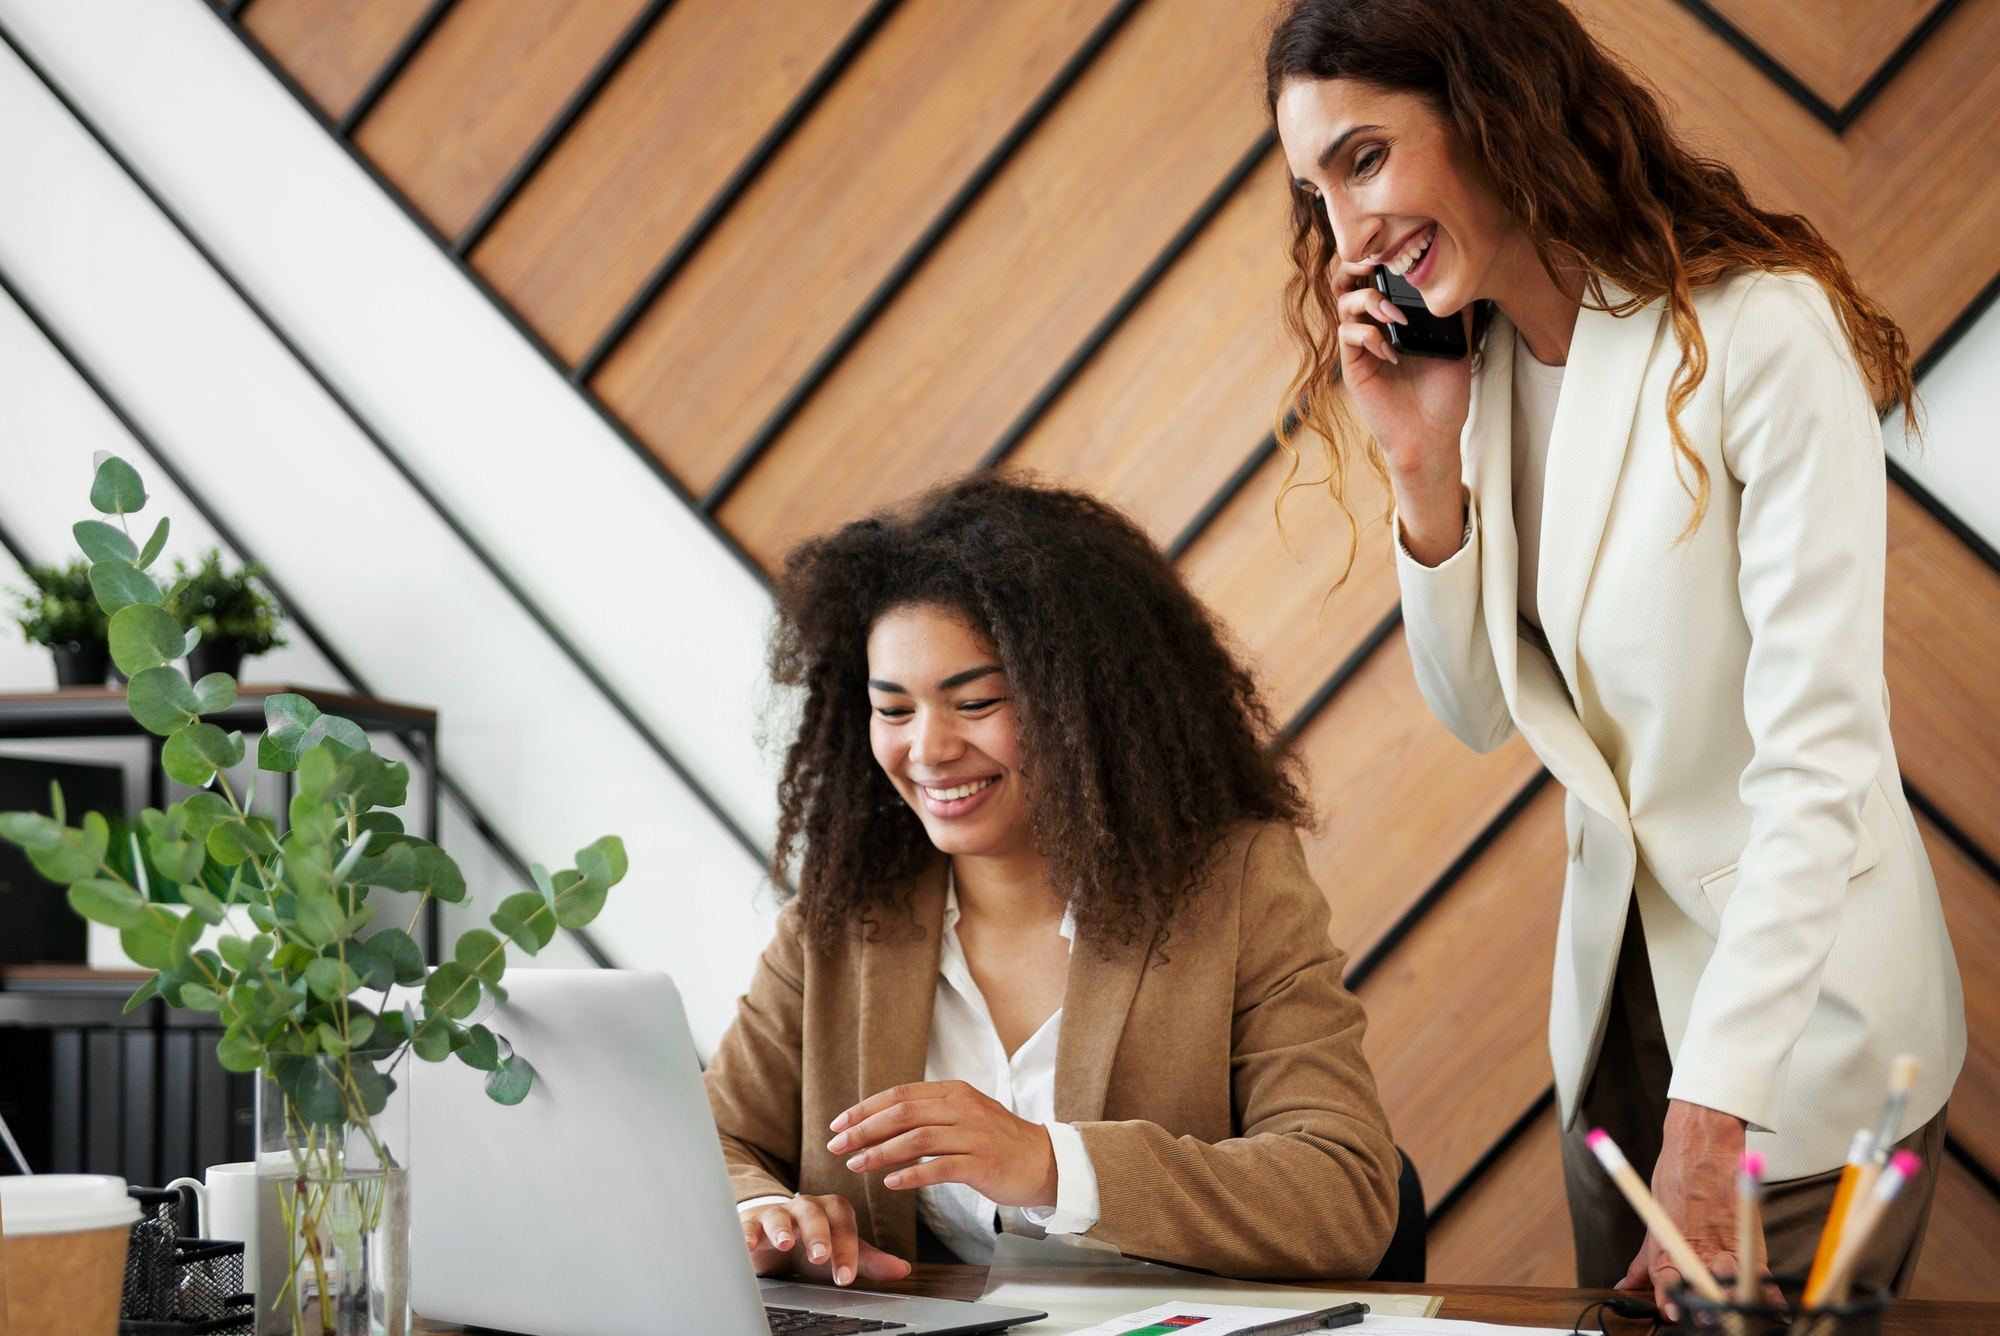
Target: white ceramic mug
227,1209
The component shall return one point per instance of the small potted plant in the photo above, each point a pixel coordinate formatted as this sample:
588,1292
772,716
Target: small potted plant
61,612
312,991
235,616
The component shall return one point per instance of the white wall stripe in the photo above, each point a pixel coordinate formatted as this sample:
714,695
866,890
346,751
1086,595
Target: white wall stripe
657,606
373,565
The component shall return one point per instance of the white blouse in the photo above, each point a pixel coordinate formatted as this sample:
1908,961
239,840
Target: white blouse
965,1046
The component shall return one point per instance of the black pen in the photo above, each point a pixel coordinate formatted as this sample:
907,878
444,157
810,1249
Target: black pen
1343,1315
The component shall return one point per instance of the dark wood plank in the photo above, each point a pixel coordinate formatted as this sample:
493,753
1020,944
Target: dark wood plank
1164,413
1162,116
1941,641
1512,1226
1399,799
1280,593
1972,912
640,165
478,95
332,48
1831,49
1458,1013
1932,136
936,91
1961,1257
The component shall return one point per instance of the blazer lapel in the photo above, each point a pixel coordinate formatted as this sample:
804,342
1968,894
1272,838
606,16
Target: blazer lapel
1488,446
1607,366
1096,1001
898,985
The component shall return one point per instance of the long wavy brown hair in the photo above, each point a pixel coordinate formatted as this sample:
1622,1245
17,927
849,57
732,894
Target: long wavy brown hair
1143,738
1580,151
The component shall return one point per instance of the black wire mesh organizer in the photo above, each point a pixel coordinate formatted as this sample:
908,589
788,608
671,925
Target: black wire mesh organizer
179,1286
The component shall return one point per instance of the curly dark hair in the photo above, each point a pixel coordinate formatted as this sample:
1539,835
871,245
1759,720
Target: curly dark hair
1145,738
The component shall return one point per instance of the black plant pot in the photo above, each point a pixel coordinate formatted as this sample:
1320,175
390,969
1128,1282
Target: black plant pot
81,665
223,656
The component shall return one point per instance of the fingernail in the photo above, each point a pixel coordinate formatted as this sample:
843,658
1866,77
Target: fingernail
844,1276
837,1123
893,1181
838,1144
782,1240
856,1161
818,1253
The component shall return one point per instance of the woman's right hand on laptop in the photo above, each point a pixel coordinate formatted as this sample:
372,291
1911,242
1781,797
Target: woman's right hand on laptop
815,1237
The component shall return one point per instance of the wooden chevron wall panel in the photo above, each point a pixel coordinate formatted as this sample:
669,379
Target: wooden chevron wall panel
814,255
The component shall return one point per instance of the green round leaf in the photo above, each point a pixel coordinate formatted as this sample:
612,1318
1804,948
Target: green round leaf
144,636
120,584
480,954
578,899
200,997
526,920
217,691
154,544
194,753
512,1082
374,1087
203,902
436,875
161,700
76,854
104,542
150,941
481,1050
316,1092
117,489
318,918
396,948
603,861
436,1036
30,830
107,902
237,840
239,1051
452,990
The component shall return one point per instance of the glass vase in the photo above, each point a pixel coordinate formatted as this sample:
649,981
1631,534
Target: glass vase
333,1207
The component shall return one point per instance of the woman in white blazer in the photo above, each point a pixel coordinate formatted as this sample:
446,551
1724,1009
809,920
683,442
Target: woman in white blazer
1643,526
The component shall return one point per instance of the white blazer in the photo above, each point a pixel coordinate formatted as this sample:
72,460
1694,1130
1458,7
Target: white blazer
1716,711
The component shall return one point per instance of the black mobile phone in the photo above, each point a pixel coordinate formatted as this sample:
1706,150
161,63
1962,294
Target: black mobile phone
1426,335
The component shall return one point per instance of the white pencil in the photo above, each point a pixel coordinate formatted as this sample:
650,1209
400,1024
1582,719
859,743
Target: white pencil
1862,1218
1749,1229
1664,1229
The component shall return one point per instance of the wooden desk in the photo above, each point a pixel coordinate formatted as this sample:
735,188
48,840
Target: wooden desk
1483,1303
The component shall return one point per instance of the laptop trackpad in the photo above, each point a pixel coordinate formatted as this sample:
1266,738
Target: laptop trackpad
822,1297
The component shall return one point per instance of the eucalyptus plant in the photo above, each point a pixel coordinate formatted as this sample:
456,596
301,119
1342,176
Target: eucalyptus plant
303,993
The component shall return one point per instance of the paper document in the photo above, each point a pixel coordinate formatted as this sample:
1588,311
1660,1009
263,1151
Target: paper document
1197,1319
1178,1316
1083,1287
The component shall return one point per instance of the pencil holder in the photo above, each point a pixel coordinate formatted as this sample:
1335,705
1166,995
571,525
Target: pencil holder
1860,1315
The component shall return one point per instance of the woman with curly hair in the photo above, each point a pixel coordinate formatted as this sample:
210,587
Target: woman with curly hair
1643,526
1055,963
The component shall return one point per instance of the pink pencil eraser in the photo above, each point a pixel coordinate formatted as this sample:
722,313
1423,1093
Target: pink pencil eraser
1753,1164
1905,1163
1598,1136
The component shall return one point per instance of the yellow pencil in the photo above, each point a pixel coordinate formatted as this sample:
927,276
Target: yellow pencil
1858,1154
1664,1229
1861,1224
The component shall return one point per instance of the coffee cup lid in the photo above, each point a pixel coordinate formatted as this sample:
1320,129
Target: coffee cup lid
64,1203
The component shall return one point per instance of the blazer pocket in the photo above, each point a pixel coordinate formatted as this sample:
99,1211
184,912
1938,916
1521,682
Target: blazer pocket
1720,884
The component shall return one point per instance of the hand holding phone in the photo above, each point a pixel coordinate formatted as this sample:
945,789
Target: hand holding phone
1425,335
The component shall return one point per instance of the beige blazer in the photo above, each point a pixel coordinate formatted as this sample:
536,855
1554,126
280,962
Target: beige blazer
1716,711
1218,1083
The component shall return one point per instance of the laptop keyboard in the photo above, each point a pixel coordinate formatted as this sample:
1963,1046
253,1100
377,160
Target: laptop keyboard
800,1322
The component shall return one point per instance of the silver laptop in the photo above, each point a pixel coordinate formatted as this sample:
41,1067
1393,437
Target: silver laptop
599,1206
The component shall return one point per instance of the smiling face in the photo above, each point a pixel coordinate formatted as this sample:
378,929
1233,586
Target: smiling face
943,727
1397,187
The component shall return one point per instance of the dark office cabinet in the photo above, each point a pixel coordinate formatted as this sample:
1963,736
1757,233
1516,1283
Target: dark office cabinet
36,923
